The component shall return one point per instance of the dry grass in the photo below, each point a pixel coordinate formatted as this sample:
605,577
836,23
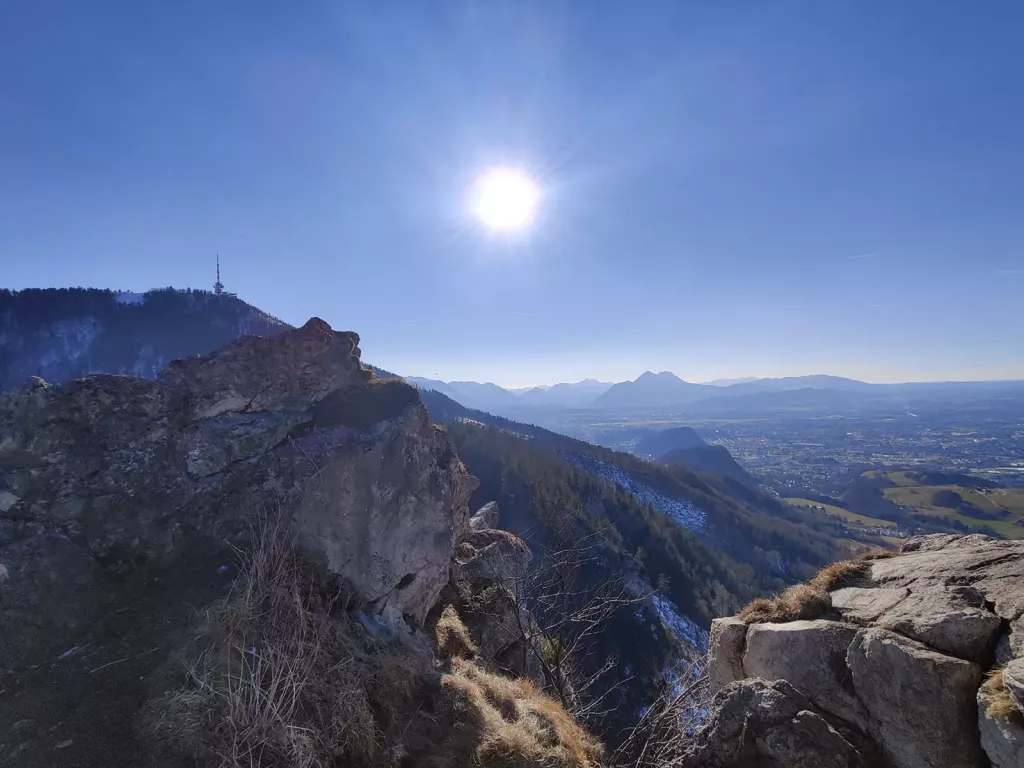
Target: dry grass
453,640
811,600
517,725
801,601
1000,703
845,573
286,678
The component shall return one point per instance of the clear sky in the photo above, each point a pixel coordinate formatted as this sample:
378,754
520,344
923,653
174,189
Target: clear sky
729,188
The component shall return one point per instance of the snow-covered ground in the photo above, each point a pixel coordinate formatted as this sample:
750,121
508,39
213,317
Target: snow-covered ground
682,626
685,513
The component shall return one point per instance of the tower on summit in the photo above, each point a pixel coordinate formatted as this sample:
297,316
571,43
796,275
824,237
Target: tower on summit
218,287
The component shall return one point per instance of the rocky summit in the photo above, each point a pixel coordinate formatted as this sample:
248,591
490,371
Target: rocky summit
108,474
892,673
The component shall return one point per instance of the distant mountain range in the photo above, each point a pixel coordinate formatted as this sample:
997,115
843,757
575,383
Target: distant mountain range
820,394
492,398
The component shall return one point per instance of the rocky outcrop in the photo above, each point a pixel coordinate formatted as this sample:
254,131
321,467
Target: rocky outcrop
109,473
897,663
761,724
488,576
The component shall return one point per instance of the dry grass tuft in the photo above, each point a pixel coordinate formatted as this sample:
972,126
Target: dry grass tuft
845,573
801,601
1000,703
453,640
811,600
286,679
877,554
517,725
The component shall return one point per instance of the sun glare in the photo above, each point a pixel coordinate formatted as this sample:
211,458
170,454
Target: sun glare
505,199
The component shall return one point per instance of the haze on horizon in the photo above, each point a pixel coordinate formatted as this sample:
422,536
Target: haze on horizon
754,190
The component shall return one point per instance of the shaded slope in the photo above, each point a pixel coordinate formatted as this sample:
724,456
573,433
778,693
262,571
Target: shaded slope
67,333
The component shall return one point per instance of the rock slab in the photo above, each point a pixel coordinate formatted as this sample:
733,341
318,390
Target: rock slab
921,704
108,473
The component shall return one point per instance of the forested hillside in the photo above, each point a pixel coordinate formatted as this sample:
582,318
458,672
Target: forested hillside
65,333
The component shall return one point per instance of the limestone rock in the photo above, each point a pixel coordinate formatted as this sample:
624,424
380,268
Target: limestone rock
953,620
993,567
1001,738
921,704
760,724
491,556
725,652
127,472
1013,679
862,605
485,517
812,656
487,573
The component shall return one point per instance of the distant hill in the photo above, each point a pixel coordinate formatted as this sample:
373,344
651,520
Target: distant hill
729,382
580,394
818,381
653,390
715,459
738,520
65,333
657,444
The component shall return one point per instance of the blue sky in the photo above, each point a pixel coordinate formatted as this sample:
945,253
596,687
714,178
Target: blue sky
730,188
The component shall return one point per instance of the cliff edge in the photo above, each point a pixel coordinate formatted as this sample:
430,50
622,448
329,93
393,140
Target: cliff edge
911,661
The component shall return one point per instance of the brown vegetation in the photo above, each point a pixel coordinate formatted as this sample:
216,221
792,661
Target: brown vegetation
811,600
453,640
515,724
1000,703
282,676
801,601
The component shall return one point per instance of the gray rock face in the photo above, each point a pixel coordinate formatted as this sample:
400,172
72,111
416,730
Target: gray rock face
812,656
485,517
488,571
128,471
1001,738
760,724
994,568
921,704
725,652
863,606
1013,679
900,670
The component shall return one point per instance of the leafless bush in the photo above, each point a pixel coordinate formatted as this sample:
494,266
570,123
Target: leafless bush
661,736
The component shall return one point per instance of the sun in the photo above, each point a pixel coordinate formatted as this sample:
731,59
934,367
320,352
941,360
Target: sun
505,199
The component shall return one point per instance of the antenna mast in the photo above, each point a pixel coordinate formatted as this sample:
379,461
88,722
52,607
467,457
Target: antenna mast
218,287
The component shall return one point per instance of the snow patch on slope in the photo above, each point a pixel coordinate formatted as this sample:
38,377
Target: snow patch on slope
683,627
684,512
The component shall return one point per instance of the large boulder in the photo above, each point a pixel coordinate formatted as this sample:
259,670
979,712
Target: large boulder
1013,680
106,474
901,655
994,568
921,704
485,517
812,656
1002,737
488,573
761,724
725,652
